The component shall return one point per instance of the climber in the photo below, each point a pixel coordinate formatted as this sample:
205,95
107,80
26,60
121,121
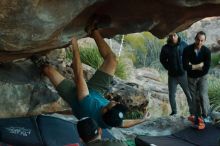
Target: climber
87,98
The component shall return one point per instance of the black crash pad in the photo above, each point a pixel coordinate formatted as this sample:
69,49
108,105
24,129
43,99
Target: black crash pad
188,137
40,131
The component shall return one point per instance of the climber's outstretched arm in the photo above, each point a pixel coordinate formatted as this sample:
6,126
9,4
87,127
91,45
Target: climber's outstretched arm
81,86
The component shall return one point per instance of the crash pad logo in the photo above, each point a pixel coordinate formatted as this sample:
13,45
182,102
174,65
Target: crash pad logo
19,131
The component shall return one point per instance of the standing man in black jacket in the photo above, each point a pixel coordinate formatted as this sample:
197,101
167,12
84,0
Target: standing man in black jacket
196,61
171,59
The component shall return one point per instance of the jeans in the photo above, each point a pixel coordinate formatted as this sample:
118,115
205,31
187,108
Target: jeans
199,91
172,85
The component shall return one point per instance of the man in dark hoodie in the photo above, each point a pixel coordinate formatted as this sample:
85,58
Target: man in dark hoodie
196,61
171,59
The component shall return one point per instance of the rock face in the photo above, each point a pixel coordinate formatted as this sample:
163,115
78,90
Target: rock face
153,127
24,92
146,92
27,27
29,93
211,27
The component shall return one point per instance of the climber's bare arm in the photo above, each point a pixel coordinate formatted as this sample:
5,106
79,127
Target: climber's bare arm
131,123
81,86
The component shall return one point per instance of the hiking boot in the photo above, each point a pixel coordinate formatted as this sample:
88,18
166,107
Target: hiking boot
39,61
191,118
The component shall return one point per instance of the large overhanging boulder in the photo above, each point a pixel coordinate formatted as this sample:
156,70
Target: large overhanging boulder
31,26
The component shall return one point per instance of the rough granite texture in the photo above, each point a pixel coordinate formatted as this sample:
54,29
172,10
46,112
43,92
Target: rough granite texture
27,27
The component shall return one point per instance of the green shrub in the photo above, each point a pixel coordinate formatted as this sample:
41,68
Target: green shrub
146,49
69,55
214,92
121,70
215,59
136,42
91,57
153,54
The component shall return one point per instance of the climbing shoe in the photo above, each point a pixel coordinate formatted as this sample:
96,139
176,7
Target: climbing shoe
199,124
97,21
39,61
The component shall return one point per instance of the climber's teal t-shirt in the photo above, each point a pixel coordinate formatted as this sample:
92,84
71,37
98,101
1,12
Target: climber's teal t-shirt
91,106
